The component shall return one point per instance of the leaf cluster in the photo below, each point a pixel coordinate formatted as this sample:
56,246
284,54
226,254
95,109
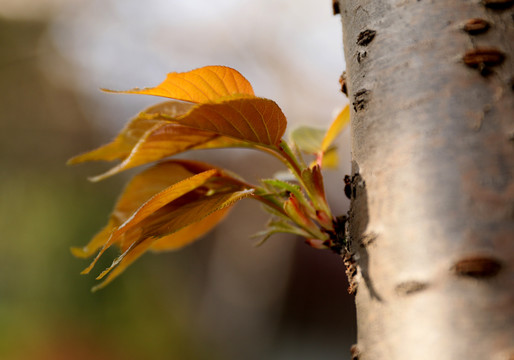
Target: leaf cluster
174,202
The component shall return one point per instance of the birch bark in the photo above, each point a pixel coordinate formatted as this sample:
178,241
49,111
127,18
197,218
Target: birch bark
432,215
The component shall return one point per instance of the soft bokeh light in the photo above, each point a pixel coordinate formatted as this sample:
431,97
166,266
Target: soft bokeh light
220,298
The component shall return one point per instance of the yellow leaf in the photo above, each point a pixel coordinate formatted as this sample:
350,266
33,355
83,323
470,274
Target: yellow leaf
342,120
200,85
329,160
254,120
124,143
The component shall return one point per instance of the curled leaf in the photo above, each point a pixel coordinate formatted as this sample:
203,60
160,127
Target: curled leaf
298,213
151,205
169,222
161,141
173,241
313,179
201,85
289,188
141,188
139,127
165,208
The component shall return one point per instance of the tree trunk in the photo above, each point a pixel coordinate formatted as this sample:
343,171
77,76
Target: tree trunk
431,223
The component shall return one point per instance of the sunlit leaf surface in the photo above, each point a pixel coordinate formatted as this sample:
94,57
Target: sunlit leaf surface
201,85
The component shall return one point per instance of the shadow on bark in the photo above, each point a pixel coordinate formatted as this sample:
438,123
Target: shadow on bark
359,238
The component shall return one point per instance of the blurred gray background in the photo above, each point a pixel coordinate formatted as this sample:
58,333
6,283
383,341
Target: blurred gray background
221,297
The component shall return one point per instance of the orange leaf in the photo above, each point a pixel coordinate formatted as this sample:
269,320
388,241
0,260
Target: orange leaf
159,142
96,243
255,119
173,241
167,139
176,217
124,143
170,222
189,233
141,188
155,203
200,85
121,146
129,259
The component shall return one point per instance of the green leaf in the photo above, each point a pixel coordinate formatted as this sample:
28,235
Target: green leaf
279,226
308,139
285,187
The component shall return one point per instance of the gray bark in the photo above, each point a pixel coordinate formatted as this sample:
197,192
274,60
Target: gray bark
432,214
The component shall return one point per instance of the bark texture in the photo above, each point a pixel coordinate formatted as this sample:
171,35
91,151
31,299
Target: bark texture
432,216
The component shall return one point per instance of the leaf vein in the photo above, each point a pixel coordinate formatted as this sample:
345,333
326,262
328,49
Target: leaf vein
220,78
229,122
199,88
262,121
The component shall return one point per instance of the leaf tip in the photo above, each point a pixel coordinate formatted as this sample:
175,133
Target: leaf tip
86,270
72,161
97,178
97,287
109,91
79,252
103,273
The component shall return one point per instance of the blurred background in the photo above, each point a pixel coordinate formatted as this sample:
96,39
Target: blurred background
221,297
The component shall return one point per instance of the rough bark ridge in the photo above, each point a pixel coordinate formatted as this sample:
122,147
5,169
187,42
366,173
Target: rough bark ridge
432,215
